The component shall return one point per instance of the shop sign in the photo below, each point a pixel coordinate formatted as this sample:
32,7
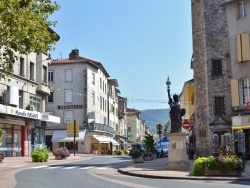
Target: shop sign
23,113
61,107
2,108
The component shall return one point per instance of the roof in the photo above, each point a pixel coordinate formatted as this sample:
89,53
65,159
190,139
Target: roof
80,60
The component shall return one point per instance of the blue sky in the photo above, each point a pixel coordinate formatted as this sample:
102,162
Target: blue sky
139,42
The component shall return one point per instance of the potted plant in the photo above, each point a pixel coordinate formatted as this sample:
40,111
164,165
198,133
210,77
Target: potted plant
150,149
225,163
61,153
40,154
137,152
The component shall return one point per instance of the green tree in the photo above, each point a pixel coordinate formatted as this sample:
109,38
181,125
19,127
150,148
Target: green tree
149,144
25,27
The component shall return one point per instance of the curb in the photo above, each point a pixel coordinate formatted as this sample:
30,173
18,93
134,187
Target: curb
215,178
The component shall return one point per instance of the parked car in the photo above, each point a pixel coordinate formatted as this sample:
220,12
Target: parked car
159,151
162,149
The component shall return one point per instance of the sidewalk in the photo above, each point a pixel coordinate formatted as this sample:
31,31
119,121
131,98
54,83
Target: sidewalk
156,168
23,162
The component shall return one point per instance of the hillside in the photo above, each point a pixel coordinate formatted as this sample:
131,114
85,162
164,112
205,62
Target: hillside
154,117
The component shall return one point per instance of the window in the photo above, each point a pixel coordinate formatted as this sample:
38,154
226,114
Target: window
68,75
100,102
44,74
68,96
100,83
243,50
93,97
241,9
32,71
129,129
21,67
216,67
50,76
219,106
245,91
36,102
68,116
51,97
93,78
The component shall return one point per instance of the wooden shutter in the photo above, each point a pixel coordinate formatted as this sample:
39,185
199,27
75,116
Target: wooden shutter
245,47
239,49
235,93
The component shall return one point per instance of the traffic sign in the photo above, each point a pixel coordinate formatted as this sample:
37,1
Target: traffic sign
73,128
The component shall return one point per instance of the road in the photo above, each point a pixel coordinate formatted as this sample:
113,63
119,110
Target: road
101,172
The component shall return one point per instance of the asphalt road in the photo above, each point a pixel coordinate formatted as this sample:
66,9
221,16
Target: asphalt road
101,171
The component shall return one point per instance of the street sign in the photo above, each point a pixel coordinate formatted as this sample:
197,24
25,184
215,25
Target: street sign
130,136
159,127
71,128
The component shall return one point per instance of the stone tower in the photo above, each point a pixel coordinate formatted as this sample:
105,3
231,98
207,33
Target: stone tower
212,73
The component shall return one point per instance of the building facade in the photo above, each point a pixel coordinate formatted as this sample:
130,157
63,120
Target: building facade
22,105
212,72
79,91
237,13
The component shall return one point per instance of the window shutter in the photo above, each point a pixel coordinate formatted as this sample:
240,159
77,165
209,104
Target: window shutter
68,96
68,116
68,75
235,93
239,49
245,47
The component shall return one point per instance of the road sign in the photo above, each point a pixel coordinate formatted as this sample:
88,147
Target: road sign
159,127
71,127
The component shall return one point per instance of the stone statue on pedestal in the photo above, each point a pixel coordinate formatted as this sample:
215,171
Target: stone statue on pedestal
176,113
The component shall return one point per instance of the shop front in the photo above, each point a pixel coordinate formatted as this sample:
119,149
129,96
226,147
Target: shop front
104,145
61,139
241,131
20,131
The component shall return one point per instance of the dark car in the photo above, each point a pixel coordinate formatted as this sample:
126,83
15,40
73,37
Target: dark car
159,151
162,149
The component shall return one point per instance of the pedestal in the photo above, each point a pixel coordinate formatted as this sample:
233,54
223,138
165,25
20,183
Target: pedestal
177,152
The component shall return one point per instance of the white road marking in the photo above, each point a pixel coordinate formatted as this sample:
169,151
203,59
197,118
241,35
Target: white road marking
70,167
87,167
36,167
53,167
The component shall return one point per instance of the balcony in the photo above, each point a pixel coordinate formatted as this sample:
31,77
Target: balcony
43,89
100,127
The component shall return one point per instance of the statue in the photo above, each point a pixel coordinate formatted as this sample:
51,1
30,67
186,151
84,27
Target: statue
175,113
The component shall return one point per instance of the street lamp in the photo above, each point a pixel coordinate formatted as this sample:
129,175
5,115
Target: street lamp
168,83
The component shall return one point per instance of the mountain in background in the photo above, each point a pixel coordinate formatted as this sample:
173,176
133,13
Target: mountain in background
154,117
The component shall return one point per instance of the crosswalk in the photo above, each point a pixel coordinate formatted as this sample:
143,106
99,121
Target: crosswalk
70,167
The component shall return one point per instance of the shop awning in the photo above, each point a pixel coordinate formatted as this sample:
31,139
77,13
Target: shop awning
241,127
114,142
105,139
61,136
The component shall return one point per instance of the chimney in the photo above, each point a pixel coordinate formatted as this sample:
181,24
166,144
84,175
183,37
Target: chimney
74,54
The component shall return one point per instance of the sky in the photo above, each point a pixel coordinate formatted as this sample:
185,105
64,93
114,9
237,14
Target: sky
139,42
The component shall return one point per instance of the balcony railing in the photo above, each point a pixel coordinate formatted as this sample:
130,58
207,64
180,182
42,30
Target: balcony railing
100,127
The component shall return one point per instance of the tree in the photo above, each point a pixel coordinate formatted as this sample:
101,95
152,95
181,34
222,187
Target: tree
25,28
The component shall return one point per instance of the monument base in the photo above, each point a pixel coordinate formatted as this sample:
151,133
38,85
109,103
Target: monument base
178,165
177,154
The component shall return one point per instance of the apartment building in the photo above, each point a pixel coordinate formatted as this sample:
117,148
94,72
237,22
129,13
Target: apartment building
22,105
136,126
122,135
238,16
80,91
221,69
